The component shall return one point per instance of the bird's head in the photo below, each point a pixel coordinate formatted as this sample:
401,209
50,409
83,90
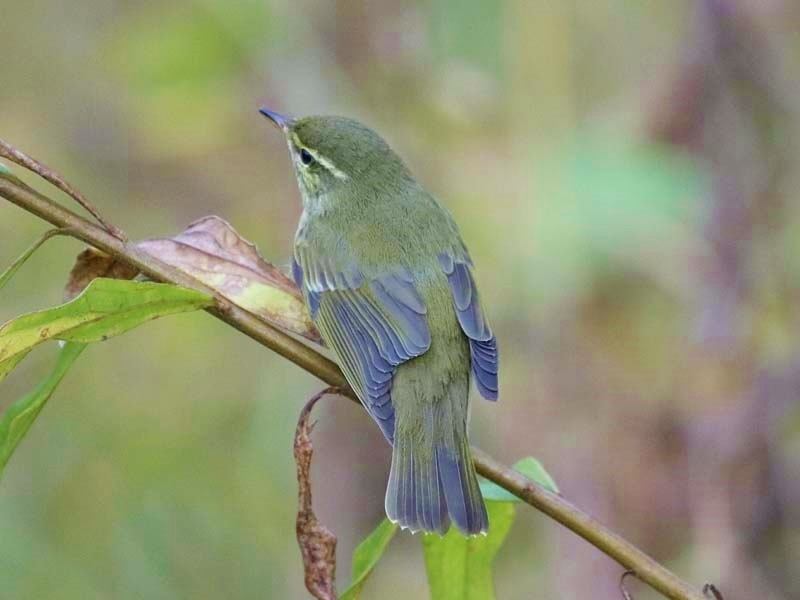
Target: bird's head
337,159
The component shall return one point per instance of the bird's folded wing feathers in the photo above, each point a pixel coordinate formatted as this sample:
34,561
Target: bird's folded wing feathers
482,343
372,324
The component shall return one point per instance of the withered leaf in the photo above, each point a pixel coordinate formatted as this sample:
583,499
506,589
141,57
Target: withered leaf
91,264
317,542
213,252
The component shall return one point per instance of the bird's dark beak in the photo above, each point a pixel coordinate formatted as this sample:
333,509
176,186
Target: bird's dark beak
280,121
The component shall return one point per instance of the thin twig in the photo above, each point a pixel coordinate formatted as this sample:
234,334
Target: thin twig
711,591
553,505
19,157
626,595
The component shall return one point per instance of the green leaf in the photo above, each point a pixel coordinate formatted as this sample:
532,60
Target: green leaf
459,567
6,275
4,169
19,417
532,469
107,307
367,555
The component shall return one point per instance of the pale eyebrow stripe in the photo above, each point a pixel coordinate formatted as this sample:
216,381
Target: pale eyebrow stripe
335,171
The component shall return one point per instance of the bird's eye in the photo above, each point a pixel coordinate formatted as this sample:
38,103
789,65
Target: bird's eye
305,157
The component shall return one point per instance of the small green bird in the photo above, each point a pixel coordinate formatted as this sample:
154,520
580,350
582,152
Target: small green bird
388,282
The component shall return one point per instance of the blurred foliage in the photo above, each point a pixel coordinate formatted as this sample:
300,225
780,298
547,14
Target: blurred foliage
106,308
636,248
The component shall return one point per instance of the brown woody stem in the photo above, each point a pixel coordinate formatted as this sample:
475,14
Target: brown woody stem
308,358
19,157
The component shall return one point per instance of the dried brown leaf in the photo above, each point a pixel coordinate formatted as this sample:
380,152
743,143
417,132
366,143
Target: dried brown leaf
91,264
317,542
213,252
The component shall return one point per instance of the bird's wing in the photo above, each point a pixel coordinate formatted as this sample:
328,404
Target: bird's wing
482,343
373,325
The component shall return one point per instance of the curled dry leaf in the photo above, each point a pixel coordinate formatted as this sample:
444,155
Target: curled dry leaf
91,264
213,252
317,542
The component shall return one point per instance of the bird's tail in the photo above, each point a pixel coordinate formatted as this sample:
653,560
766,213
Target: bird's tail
433,480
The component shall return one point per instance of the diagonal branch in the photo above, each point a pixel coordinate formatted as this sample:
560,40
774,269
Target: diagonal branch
553,505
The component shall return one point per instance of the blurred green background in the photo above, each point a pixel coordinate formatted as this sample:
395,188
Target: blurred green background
625,175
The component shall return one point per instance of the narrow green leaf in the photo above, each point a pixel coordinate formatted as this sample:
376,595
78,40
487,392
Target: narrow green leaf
532,469
367,555
459,567
6,275
4,169
19,417
107,307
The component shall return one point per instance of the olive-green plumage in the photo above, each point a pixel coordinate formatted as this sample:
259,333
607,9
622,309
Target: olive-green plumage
388,283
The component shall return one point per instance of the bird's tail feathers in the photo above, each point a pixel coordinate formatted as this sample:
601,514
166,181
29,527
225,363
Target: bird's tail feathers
432,480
